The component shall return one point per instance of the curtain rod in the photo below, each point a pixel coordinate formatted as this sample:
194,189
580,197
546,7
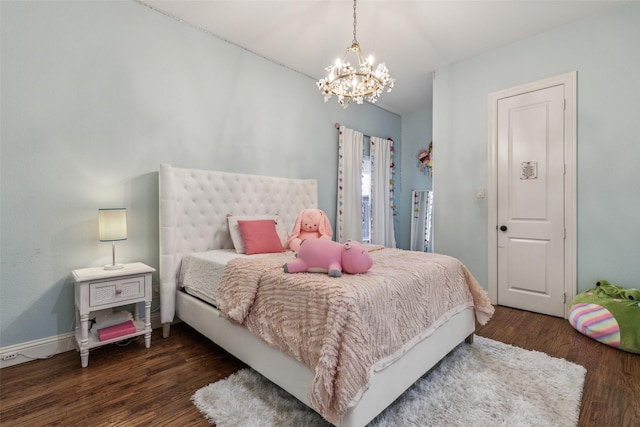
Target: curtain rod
337,125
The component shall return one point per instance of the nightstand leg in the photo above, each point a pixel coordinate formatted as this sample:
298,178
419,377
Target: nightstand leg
147,324
84,340
136,311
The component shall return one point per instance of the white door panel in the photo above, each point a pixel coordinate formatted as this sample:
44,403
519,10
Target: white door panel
530,194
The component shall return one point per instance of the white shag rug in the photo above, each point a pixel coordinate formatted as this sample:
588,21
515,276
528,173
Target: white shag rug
487,383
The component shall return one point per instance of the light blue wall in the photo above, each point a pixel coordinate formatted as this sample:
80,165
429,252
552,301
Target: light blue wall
416,134
605,52
95,95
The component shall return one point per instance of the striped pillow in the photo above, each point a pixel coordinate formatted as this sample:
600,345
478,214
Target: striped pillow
595,322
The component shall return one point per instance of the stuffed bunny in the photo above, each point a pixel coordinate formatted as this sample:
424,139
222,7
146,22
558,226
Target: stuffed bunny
310,224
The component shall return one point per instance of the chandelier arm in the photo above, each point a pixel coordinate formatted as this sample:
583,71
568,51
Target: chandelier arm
346,53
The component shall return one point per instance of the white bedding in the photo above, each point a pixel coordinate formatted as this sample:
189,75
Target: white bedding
201,272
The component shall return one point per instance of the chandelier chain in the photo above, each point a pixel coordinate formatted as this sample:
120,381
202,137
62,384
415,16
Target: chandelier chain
355,40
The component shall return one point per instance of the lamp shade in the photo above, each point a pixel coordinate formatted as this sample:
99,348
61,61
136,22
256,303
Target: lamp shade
112,224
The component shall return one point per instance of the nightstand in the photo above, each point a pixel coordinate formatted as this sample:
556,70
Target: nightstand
97,289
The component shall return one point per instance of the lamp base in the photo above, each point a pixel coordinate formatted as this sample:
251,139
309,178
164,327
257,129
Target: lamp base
113,266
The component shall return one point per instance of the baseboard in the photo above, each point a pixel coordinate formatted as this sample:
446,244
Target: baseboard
48,347
37,349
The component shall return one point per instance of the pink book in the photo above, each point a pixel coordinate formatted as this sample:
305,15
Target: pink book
115,331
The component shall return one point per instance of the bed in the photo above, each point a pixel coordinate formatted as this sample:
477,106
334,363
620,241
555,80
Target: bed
194,209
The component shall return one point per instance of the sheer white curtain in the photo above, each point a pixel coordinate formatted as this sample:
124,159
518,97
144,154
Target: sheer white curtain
382,231
349,205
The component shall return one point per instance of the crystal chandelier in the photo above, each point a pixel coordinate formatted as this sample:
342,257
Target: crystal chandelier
349,83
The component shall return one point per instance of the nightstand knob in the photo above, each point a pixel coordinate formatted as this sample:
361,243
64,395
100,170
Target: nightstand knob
118,291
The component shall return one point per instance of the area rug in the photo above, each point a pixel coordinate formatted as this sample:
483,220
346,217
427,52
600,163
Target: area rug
487,383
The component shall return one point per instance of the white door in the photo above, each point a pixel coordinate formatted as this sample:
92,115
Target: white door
530,201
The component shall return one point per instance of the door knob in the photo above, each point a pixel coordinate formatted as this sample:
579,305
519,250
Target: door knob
503,228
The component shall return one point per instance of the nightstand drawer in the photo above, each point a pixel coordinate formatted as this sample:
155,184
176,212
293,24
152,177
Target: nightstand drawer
121,290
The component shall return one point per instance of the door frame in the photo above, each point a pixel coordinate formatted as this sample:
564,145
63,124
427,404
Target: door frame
569,80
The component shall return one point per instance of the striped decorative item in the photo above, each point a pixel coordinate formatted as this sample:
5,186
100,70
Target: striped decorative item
595,322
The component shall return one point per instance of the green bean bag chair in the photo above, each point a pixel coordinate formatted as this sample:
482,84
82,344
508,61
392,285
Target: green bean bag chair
609,314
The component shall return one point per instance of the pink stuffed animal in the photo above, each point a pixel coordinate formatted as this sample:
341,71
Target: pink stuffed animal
321,255
310,224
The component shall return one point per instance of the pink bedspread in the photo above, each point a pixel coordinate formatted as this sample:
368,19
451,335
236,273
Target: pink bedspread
346,328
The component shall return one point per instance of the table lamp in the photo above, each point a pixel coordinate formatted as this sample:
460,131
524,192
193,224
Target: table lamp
112,225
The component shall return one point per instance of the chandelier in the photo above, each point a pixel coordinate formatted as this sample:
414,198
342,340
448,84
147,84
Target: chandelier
350,83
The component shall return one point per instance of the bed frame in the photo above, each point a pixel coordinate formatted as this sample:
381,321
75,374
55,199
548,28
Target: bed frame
194,205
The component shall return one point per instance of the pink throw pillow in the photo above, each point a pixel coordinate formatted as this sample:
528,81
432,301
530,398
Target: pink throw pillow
260,236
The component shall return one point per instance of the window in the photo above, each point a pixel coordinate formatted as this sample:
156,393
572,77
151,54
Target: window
365,207
366,199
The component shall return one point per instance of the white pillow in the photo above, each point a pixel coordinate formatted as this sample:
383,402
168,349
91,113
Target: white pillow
236,237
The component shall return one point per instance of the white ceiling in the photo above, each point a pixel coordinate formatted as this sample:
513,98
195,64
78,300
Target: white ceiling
413,37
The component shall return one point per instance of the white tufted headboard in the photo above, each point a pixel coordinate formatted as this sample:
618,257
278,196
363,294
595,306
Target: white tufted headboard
194,205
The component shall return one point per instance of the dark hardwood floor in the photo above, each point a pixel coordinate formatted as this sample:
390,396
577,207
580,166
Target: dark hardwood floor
132,385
